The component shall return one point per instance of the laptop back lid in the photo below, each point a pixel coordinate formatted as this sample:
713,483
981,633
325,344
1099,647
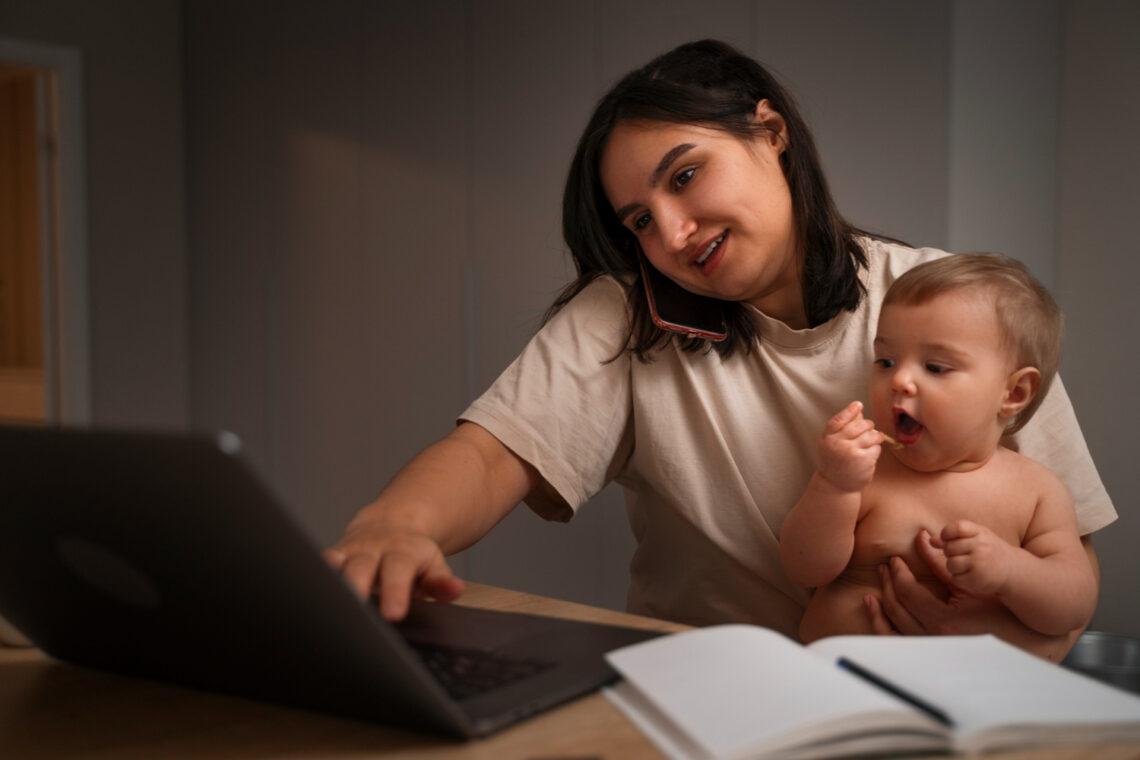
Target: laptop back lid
162,556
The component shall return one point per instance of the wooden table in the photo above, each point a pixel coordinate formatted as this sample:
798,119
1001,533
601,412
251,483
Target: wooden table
53,710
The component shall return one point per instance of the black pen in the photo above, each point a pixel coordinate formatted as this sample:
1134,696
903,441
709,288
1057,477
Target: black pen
899,692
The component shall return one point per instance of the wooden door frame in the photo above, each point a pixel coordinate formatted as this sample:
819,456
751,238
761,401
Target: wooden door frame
63,252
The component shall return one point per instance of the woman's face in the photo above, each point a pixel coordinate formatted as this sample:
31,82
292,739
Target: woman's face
711,211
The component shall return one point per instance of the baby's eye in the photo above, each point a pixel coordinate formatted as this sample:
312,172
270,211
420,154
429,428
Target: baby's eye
884,363
936,369
683,178
641,222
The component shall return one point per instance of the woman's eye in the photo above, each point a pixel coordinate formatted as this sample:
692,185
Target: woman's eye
641,222
683,178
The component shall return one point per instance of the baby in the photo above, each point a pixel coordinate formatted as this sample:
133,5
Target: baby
966,348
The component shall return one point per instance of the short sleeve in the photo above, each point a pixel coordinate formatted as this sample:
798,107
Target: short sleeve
564,405
1053,438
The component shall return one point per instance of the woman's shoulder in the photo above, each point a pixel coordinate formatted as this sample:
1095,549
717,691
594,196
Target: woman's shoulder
597,316
604,294
887,259
608,287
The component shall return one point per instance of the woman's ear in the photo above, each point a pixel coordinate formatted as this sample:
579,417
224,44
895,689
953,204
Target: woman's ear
777,128
1020,388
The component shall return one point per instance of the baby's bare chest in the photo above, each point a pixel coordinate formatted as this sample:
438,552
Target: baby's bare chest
896,506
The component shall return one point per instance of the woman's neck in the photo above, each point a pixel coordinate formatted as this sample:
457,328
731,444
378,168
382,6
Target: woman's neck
786,302
786,308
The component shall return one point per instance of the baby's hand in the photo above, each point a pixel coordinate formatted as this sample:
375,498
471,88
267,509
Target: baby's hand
975,556
849,449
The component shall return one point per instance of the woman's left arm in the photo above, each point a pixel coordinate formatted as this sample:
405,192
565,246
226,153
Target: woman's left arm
909,608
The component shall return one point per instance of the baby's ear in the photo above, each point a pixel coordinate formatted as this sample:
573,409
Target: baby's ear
1020,388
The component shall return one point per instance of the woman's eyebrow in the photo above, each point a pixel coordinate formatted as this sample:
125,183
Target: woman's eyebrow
663,165
667,160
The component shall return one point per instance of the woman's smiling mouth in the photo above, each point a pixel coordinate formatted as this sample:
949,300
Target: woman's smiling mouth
703,256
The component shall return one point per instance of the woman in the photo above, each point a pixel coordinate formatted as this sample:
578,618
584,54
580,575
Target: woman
700,164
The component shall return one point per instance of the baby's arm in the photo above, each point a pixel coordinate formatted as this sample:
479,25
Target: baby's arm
818,535
1048,582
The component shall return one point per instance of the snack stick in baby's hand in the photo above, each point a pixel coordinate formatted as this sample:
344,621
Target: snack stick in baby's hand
892,441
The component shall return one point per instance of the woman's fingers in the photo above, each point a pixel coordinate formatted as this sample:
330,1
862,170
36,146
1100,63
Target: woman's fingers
394,565
880,625
360,571
934,557
335,558
403,570
439,583
898,603
398,573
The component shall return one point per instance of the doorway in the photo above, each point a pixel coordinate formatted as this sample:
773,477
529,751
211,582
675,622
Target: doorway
44,325
23,395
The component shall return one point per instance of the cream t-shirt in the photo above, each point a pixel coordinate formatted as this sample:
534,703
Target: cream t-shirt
713,453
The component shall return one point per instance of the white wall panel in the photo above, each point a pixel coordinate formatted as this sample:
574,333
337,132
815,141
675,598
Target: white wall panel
1098,268
1003,131
328,171
872,79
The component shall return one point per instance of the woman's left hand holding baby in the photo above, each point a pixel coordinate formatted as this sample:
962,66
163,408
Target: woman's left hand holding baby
976,557
910,608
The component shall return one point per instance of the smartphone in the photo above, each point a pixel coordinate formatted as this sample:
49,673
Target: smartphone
675,309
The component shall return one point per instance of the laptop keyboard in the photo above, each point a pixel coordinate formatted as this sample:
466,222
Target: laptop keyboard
467,672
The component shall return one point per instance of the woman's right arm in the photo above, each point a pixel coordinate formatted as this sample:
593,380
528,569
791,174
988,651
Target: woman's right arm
444,500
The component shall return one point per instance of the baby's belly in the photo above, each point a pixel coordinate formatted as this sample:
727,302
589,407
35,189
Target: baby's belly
839,607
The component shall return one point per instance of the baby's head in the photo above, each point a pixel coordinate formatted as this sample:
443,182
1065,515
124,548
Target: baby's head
1028,319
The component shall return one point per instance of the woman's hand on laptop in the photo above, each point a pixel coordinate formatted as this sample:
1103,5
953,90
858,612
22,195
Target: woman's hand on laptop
395,564
441,502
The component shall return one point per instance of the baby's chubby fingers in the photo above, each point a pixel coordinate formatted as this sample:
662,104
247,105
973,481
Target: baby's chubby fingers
958,529
849,414
848,449
962,541
850,425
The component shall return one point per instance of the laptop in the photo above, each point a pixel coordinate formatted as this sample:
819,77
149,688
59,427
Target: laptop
163,556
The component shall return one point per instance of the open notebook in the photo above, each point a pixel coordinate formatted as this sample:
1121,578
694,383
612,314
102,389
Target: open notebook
739,691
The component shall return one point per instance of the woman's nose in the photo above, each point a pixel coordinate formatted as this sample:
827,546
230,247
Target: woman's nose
677,229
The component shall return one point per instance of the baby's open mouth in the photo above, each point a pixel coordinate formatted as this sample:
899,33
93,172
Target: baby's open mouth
907,429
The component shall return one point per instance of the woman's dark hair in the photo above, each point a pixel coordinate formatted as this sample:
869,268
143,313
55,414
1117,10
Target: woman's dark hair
711,84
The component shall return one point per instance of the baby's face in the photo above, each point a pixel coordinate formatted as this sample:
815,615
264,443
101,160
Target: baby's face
940,376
